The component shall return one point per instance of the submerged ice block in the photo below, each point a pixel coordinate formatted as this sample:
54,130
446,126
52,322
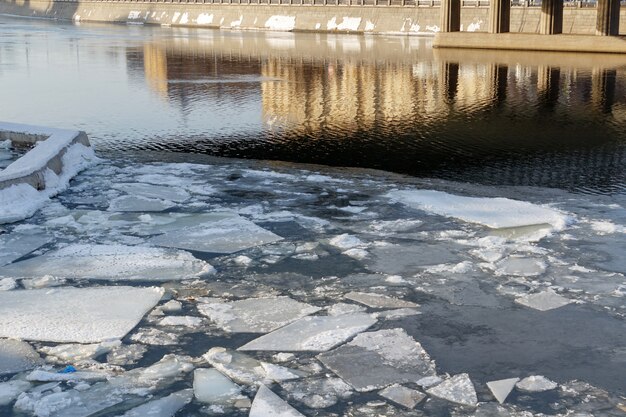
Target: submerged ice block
82,315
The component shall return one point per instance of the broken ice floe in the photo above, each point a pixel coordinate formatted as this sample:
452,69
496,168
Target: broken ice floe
154,191
520,266
315,333
43,375
126,354
227,235
72,353
502,388
491,212
10,390
83,315
256,315
184,321
14,246
139,204
543,301
266,403
375,360
536,383
318,392
152,336
378,300
17,356
163,407
246,370
212,387
459,389
404,396
110,262
343,308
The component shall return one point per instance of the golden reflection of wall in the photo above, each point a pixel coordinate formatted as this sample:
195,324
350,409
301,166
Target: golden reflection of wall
475,88
155,68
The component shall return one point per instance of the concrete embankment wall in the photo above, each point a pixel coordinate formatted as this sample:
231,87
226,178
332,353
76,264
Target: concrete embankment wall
329,18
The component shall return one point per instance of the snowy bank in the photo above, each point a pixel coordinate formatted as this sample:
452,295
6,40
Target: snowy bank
44,171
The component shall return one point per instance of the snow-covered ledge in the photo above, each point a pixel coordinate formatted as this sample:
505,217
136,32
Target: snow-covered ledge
45,170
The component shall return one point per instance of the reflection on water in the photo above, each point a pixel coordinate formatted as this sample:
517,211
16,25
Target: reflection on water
553,120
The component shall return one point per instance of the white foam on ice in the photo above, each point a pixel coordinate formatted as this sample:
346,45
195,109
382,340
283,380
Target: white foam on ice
111,262
491,212
82,315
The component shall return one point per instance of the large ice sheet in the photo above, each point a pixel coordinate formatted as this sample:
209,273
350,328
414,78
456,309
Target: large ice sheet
223,236
110,262
491,212
267,404
82,315
316,333
375,360
256,315
14,246
17,356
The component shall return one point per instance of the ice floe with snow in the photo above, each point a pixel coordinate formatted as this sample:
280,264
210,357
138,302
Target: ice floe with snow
267,403
491,212
82,315
17,356
313,333
374,360
544,300
110,262
72,353
458,389
226,235
256,315
318,392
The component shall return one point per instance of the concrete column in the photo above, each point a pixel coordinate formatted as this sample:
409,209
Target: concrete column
548,87
607,21
499,16
551,17
603,89
451,15
449,80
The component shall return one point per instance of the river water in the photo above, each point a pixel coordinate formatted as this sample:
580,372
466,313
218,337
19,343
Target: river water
463,186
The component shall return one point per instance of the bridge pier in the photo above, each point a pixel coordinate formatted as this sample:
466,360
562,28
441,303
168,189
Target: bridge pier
607,21
451,15
551,22
500,16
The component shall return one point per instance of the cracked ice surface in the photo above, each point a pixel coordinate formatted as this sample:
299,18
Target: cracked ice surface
110,262
96,314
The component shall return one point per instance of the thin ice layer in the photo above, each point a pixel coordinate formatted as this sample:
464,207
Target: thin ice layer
14,246
223,236
375,360
256,315
313,334
17,356
491,212
82,315
110,262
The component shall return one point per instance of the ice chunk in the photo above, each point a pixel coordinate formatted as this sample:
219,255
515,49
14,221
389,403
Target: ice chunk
155,337
110,262
126,354
227,235
73,353
186,321
458,389
402,395
16,356
343,308
491,212
317,333
10,390
543,301
246,370
523,267
378,300
7,284
14,246
163,407
40,375
256,315
536,383
502,388
396,313
43,282
266,404
211,386
154,191
137,203
346,241
83,315
161,372
375,360
356,253
172,306
318,392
